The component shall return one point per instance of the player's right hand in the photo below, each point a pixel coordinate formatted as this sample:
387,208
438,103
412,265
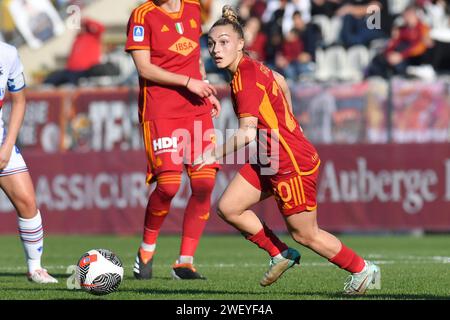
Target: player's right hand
5,155
201,88
216,107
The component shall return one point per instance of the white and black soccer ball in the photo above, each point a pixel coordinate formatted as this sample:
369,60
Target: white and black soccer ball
99,271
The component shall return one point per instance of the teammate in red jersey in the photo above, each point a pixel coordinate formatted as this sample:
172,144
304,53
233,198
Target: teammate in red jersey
174,102
262,102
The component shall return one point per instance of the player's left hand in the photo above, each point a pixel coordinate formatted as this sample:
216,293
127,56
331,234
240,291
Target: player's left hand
215,112
206,158
200,88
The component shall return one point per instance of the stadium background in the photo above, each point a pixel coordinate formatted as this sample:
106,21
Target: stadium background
384,142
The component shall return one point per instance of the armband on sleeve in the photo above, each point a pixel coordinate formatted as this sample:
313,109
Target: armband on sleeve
16,84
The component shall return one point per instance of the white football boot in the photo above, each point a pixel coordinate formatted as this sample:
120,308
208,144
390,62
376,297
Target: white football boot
278,266
368,278
41,276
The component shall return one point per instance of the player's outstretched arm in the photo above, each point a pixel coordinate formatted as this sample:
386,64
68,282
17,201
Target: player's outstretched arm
159,75
15,122
245,134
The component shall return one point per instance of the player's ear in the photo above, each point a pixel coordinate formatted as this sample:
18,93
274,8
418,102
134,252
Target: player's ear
241,44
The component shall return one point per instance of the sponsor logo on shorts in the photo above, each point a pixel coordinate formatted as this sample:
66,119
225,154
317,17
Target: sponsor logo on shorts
165,144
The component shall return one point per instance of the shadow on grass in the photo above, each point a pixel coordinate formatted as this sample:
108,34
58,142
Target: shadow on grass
24,274
132,278
47,288
190,294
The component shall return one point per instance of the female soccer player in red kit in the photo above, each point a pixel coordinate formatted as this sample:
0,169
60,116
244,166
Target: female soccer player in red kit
262,103
163,39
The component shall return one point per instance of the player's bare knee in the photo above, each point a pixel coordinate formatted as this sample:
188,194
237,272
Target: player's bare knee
220,213
225,211
222,210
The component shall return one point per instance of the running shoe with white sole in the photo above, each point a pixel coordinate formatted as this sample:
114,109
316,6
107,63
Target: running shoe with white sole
369,278
41,276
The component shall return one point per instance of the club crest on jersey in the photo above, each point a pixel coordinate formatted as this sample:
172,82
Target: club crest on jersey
138,33
179,27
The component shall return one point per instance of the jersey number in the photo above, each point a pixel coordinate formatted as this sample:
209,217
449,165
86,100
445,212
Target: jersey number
288,116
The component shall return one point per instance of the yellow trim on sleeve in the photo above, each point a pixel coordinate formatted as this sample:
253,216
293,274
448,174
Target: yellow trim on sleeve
138,48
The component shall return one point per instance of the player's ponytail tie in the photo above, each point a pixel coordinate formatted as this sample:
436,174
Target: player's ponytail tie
189,79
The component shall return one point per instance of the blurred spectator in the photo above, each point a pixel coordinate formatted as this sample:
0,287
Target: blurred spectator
273,17
7,26
288,60
435,12
36,20
355,25
214,12
292,61
84,57
325,7
437,16
274,44
283,10
255,39
273,28
408,46
310,35
251,8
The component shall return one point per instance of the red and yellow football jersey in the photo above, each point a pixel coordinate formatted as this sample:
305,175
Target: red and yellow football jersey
256,93
173,41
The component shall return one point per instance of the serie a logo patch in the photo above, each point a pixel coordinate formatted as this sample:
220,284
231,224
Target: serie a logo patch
138,33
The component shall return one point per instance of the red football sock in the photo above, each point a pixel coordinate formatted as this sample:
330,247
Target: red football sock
197,210
348,260
159,204
268,241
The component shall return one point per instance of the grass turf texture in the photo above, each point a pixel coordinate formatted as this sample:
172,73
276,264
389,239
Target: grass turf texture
412,268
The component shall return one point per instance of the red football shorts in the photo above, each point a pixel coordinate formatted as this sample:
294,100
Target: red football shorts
293,192
172,144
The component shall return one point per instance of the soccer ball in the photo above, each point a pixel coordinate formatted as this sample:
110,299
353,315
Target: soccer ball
99,271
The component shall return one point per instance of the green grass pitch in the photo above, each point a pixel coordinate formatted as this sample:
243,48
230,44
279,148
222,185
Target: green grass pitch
411,267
